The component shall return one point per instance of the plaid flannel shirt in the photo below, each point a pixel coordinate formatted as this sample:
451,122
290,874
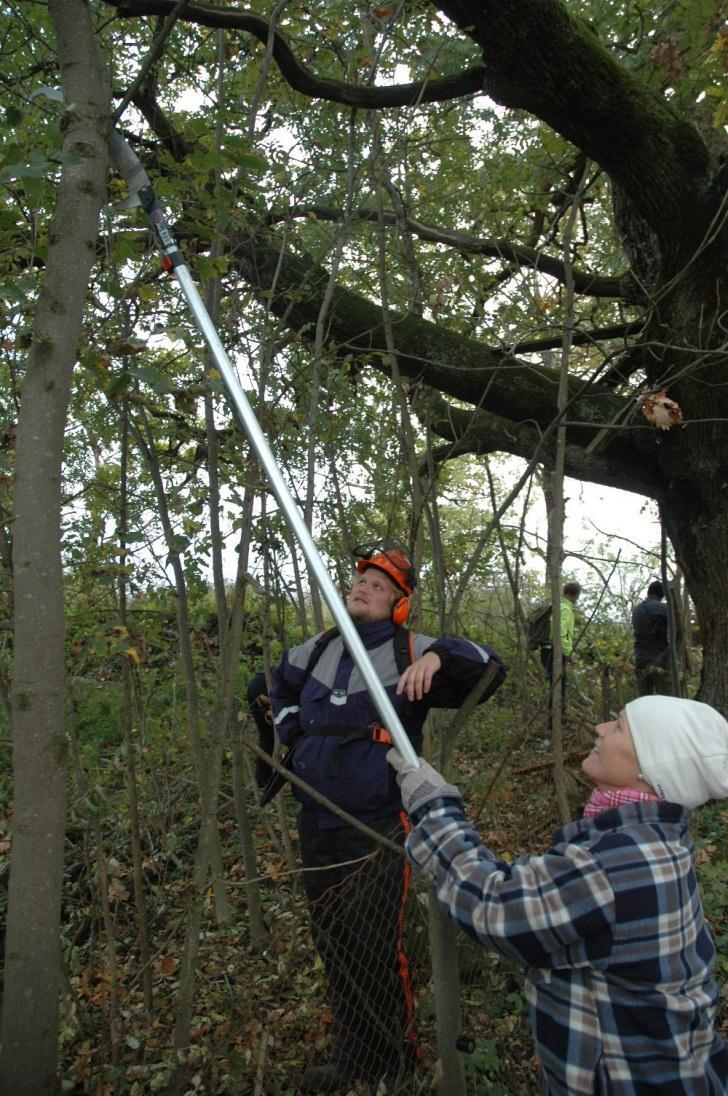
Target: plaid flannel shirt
610,928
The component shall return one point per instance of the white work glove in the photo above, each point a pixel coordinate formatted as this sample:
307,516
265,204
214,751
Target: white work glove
418,785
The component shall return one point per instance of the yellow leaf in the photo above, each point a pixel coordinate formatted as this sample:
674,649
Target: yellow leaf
117,891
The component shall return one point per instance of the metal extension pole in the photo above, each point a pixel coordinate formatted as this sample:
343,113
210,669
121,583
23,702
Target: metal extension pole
140,186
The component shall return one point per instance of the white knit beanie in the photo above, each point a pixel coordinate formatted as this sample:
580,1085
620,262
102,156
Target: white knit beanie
682,748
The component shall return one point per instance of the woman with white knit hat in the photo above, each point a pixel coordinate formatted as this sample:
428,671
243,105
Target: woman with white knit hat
608,922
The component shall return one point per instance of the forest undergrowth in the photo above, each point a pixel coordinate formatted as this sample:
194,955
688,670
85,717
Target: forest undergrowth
260,1014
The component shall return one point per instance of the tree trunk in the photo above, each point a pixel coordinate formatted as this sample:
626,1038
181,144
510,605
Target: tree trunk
256,920
697,523
30,1006
446,988
556,518
130,742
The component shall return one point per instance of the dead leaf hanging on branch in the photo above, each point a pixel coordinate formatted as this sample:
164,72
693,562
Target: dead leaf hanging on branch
661,411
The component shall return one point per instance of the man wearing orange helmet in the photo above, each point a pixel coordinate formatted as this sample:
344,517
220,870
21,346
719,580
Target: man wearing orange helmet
356,889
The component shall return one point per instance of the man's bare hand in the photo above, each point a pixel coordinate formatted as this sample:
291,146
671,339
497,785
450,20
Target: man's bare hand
417,678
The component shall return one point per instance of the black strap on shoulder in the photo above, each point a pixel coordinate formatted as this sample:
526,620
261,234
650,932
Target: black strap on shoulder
404,648
404,651
318,649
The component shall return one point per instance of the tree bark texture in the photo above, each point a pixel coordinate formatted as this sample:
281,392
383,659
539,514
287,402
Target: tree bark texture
30,1005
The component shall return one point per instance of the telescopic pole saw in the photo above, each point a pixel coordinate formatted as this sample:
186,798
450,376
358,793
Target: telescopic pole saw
141,190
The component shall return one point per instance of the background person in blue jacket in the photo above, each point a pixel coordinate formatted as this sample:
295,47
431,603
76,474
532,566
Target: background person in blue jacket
608,923
356,890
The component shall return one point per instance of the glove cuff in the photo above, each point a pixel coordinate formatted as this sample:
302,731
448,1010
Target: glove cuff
439,797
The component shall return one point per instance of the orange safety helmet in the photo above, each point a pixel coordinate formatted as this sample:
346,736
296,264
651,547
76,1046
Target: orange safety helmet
397,565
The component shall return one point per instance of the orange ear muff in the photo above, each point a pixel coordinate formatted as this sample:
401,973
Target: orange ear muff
400,610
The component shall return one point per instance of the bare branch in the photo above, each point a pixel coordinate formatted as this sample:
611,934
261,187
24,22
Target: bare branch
585,282
152,57
301,78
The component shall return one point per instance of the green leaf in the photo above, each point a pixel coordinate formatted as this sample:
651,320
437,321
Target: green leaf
180,543
117,384
252,161
157,381
23,171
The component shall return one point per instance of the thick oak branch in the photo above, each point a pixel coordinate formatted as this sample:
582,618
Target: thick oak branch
461,367
541,59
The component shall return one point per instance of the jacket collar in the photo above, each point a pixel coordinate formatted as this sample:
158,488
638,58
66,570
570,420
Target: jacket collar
373,633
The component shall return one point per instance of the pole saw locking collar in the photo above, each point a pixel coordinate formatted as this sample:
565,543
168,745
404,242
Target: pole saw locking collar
395,563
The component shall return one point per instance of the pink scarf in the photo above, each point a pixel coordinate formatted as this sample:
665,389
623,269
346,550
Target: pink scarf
601,800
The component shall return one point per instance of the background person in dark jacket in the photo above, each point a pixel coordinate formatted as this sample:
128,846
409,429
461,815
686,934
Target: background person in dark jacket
608,923
356,890
651,650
